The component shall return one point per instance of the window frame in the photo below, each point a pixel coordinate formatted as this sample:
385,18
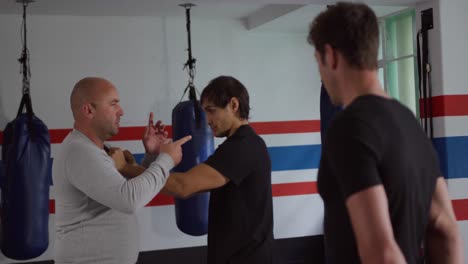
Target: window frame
385,61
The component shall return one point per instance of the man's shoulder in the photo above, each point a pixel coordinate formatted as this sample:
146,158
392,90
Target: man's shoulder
74,144
351,126
247,144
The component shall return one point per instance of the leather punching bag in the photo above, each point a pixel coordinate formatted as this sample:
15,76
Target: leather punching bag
189,119
25,181
327,111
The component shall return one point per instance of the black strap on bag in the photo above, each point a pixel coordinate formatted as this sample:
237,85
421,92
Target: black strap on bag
26,72
26,103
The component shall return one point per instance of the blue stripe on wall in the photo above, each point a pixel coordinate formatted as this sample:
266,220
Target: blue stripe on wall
453,156
452,152
287,157
295,157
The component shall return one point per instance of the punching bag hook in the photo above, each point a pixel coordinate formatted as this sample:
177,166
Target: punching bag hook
191,66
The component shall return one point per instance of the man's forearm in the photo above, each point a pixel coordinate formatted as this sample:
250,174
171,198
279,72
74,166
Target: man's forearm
443,239
175,186
130,171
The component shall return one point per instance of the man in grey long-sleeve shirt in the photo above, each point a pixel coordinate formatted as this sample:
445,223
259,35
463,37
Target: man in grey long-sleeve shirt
95,204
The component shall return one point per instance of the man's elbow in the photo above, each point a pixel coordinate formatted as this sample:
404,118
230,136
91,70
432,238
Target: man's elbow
183,191
444,228
444,235
130,206
127,209
453,236
178,187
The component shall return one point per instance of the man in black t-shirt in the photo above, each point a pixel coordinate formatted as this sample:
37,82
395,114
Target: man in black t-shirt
379,178
240,226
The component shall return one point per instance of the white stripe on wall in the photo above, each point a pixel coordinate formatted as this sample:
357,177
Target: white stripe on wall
458,188
299,215
450,126
294,176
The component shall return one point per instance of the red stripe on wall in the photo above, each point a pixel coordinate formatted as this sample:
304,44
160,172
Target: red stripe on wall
444,105
57,135
461,209
295,188
51,206
134,133
262,128
284,127
161,199
278,190
447,105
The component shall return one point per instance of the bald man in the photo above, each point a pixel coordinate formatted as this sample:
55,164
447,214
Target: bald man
95,203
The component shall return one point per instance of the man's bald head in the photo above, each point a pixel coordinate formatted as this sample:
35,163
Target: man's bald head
87,90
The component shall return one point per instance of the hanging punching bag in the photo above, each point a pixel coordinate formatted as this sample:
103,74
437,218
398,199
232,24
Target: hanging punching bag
189,119
327,111
25,185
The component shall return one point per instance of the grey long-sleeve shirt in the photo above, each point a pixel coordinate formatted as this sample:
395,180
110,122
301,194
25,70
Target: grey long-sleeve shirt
95,204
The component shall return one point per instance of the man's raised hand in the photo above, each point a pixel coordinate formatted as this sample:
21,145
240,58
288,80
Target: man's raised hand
154,136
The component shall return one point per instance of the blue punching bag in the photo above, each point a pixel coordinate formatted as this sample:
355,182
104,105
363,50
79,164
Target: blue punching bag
25,185
189,119
327,111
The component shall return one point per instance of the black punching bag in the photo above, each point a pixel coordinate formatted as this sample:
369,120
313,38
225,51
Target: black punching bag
189,119
26,177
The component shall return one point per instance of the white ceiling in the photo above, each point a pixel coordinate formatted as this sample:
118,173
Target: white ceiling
263,15
297,21
206,9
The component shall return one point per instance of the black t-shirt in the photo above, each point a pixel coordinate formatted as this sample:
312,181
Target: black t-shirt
240,226
376,141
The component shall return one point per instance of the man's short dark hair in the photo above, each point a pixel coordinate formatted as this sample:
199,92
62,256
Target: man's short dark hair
351,28
220,91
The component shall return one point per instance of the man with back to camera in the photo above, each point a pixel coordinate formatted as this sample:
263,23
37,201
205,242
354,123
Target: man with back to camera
379,177
95,205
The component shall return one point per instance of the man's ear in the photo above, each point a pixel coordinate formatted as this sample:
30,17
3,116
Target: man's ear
87,110
234,102
331,56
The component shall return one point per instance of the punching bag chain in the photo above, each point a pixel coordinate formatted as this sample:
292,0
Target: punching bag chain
191,68
26,72
24,59
190,64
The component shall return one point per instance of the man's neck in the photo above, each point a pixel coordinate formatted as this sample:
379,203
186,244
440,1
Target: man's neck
357,83
236,125
89,134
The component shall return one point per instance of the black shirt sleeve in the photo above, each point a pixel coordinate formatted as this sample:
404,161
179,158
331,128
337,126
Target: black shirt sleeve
354,150
233,159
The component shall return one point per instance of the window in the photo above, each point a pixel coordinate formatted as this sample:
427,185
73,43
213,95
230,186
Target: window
397,58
